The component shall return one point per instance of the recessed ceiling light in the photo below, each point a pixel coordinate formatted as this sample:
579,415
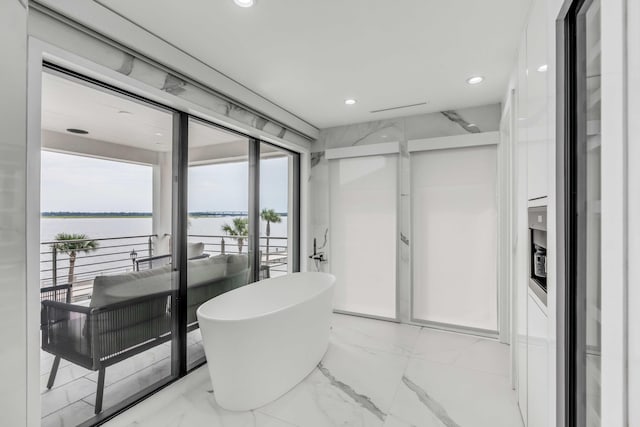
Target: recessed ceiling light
244,3
543,68
78,131
350,101
472,125
475,80
158,134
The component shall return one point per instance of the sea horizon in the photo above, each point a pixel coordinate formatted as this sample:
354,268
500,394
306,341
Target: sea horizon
115,214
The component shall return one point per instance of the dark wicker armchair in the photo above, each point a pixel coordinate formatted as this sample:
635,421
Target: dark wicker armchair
98,337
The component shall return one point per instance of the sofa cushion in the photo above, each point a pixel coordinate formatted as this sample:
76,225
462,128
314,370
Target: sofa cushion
195,250
155,278
206,270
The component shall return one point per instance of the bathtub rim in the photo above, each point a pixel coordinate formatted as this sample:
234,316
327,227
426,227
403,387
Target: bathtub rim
272,312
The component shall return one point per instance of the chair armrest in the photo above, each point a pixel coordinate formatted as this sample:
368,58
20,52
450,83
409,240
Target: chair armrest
56,311
55,292
65,306
150,260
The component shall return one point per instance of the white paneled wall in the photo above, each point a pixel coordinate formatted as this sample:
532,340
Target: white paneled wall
13,143
533,79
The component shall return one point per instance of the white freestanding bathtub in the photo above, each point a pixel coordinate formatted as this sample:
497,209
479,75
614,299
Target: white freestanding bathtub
264,338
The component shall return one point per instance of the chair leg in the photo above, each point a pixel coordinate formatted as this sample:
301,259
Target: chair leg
54,371
100,391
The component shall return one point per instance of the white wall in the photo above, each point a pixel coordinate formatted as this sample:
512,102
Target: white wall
13,142
633,192
614,182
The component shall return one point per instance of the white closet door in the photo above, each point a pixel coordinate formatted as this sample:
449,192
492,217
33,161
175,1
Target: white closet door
363,233
454,227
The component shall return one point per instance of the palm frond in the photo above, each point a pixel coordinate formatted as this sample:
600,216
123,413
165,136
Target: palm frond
69,242
270,215
239,227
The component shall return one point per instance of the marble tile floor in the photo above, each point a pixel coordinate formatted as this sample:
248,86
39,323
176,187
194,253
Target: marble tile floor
72,398
375,373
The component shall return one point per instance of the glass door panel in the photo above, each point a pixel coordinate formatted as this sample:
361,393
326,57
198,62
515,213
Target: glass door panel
454,235
593,220
107,284
276,211
363,215
218,225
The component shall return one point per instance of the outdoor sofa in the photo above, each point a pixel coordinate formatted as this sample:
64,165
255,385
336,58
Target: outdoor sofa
131,313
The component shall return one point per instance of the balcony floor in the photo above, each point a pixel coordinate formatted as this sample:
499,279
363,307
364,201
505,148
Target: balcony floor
71,400
375,373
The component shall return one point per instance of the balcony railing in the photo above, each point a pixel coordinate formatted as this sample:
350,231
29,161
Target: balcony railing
115,255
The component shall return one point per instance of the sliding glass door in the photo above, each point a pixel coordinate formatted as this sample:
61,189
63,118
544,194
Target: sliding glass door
279,169
218,221
579,218
147,213
107,286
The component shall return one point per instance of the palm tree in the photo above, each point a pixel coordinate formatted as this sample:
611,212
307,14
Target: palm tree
71,244
238,229
270,216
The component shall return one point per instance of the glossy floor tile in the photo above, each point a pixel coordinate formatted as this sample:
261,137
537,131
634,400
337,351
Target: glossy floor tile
374,374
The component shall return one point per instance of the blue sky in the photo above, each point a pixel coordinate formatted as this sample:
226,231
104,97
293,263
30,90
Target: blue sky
75,183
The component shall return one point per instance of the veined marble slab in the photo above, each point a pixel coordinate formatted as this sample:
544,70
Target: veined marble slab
375,374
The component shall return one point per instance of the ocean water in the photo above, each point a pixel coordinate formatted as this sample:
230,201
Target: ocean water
113,255
116,227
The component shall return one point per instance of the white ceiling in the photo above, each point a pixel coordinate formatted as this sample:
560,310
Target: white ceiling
308,56
114,118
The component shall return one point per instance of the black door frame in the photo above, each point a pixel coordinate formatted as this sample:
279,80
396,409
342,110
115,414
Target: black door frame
571,156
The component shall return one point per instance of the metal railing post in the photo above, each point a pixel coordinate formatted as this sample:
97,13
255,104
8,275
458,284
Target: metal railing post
54,262
150,247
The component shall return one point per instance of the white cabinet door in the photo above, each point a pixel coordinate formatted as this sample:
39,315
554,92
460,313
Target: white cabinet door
537,75
537,366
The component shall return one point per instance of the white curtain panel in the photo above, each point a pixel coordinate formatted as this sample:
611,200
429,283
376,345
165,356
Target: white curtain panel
363,224
454,230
